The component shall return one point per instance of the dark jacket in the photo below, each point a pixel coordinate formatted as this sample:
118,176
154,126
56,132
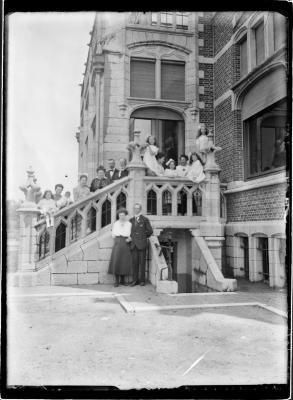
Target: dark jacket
140,232
122,174
114,177
99,184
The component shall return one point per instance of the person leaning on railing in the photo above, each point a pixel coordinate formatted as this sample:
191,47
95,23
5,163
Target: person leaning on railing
100,180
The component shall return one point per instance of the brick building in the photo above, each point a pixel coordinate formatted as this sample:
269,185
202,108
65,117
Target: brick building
164,73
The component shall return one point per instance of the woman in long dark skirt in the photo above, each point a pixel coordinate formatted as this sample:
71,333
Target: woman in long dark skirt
120,262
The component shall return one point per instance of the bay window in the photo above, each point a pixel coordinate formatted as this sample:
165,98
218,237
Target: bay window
264,140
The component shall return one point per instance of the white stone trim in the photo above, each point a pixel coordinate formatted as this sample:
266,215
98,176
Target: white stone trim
200,42
241,186
223,97
224,49
200,73
201,105
205,60
269,228
200,27
201,89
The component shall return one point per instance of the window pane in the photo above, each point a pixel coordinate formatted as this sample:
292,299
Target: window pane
166,18
259,44
154,18
265,144
243,58
172,80
142,78
279,30
182,20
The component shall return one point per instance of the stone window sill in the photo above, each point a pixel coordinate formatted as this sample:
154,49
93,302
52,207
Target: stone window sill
241,186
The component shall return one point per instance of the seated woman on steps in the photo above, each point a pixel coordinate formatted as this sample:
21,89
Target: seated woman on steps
121,260
195,168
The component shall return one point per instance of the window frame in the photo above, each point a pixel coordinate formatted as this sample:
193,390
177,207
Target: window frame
182,15
259,117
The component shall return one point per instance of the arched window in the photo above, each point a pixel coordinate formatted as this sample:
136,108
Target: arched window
197,202
167,203
152,202
60,238
91,219
75,227
121,201
44,244
182,202
106,213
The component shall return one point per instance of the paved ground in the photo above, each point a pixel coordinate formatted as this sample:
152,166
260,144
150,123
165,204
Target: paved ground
82,336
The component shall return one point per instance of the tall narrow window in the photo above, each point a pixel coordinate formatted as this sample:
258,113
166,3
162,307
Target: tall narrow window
152,202
121,201
243,57
142,78
106,213
173,80
166,18
94,127
60,238
75,227
279,30
44,242
91,219
259,43
154,18
182,20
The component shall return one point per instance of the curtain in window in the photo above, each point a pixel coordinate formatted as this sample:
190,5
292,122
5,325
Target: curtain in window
173,80
142,78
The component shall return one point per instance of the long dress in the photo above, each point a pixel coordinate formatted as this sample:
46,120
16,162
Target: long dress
121,260
48,207
80,192
170,173
150,160
195,172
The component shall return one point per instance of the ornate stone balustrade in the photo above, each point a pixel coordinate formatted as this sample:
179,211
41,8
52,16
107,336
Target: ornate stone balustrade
82,218
173,197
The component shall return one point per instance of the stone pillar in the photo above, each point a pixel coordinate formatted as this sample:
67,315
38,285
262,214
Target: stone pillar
253,260
27,252
277,268
136,170
211,197
215,244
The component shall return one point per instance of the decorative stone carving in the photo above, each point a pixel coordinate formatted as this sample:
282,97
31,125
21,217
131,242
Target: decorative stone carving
122,108
136,149
31,190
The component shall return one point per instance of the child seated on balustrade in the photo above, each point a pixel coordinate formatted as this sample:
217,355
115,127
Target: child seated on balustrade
149,157
48,207
170,171
68,199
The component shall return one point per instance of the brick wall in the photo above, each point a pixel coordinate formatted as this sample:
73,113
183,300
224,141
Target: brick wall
223,73
222,30
224,138
207,35
206,115
266,203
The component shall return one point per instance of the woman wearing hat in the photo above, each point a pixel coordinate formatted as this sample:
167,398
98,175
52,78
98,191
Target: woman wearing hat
82,190
195,168
121,260
100,181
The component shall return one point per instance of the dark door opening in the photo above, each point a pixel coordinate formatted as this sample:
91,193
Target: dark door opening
165,125
244,246
264,249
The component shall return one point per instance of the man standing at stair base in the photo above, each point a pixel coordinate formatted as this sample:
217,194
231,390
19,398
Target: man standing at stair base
141,230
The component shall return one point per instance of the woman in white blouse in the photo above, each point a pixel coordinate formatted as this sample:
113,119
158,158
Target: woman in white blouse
121,260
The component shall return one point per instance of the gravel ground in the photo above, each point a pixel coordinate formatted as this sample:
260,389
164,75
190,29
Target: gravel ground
90,340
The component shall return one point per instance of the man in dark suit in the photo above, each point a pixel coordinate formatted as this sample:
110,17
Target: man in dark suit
141,230
113,173
123,169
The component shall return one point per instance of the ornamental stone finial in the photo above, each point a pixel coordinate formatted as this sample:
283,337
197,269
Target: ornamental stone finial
136,148
31,190
211,163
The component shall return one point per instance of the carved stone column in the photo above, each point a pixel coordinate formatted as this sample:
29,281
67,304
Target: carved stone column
28,216
136,170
